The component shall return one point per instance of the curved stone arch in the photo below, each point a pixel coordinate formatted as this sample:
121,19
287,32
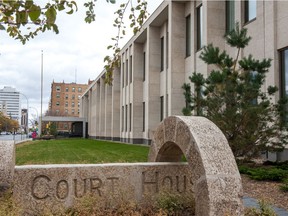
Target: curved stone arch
215,176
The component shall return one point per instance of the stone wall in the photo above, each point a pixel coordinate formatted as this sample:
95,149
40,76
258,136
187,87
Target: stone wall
40,187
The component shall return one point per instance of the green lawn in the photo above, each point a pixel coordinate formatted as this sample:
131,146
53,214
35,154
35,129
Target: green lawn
78,151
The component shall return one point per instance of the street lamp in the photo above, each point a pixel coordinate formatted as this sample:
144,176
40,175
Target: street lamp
36,113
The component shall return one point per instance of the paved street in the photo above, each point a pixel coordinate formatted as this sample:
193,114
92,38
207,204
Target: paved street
13,137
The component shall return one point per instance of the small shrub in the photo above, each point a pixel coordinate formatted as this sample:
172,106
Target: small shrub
272,174
7,205
264,174
284,186
264,210
175,204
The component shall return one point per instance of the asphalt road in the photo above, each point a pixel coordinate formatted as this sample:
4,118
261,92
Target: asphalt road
13,137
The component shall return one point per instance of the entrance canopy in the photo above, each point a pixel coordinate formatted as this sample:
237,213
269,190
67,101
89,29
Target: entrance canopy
66,119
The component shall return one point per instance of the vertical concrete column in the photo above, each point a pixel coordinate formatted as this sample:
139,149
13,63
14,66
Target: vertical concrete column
89,119
102,108
98,106
137,83
116,107
176,74
270,42
153,78
108,111
93,111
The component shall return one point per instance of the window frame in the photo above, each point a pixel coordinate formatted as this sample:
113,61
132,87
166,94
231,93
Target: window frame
188,35
247,14
161,54
199,26
229,12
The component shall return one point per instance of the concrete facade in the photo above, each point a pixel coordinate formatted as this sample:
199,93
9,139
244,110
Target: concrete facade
10,102
160,58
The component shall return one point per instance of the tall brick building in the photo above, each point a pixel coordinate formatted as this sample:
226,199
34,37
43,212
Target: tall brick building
65,101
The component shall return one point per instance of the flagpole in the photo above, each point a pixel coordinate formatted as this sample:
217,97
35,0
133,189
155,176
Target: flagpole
40,125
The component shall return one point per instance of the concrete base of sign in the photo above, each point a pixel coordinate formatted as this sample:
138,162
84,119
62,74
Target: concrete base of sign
41,187
7,164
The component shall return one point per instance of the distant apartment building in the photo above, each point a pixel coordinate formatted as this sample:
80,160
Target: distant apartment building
24,120
160,58
10,103
65,101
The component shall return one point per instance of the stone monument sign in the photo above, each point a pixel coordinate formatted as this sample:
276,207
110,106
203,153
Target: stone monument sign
210,175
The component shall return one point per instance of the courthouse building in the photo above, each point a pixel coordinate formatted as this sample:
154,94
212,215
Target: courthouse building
159,59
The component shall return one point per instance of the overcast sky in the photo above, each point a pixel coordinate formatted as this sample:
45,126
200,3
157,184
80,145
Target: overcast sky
75,54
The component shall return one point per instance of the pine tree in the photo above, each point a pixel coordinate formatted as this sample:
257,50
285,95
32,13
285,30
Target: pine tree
232,98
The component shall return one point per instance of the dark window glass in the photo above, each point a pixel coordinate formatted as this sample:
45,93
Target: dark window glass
127,72
188,35
143,105
144,66
122,118
199,27
123,74
130,68
162,54
126,117
161,108
230,15
130,116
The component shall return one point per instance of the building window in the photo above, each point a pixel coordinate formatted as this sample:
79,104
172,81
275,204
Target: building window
78,111
66,96
122,118
250,10
161,108
79,89
66,111
188,35
79,96
73,97
167,48
230,15
67,89
162,54
123,67
73,104
73,111
126,117
57,95
144,66
57,112
130,117
78,104
126,72
65,125
58,88
66,104
57,103
284,72
143,114
130,69
73,89
199,19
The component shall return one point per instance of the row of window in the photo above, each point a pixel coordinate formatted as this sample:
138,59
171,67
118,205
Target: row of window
66,111
67,97
125,115
249,15
67,104
58,89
